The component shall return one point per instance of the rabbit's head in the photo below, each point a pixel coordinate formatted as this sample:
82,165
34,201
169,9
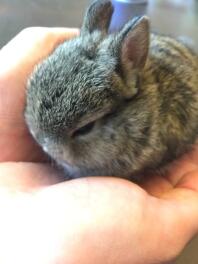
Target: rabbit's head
78,96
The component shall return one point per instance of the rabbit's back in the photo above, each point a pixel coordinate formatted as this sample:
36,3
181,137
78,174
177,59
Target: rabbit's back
173,54
171,77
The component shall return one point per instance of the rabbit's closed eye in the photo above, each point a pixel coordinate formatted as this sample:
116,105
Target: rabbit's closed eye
83,130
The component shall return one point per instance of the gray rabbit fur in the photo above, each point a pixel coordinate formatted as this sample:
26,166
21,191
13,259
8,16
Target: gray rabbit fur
114,104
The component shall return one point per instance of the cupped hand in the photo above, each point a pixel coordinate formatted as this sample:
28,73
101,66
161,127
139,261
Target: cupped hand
88,220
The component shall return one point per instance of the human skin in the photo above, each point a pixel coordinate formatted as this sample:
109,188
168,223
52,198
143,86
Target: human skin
90,220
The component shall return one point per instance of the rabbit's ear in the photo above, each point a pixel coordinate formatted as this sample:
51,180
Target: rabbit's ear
134,43
97,17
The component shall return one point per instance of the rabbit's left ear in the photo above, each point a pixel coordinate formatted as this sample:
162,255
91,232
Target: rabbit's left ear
97,17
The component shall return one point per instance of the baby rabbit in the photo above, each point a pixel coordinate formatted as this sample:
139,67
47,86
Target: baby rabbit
113,104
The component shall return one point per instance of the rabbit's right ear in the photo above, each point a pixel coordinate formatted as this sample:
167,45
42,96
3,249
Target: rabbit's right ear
97,17
131,47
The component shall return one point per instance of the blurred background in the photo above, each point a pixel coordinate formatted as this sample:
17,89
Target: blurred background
173,17
177,17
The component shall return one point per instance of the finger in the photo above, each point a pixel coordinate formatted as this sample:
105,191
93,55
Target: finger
173,175
184,220
179,205
156,185
189,181
33,44
186,164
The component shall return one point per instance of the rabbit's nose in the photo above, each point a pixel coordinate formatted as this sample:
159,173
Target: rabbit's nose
46,143
52,147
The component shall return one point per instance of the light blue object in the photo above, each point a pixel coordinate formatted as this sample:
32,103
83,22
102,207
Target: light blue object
124,10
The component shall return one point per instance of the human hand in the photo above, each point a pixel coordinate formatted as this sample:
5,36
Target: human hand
89,220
